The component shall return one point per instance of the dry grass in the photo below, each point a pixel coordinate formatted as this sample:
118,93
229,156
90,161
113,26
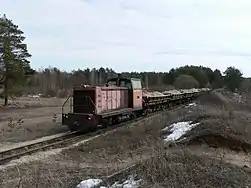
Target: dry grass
20,133
30,102
221,126
17,128
42,175
101,157
158,164
29,118
219,131
120,147
182,168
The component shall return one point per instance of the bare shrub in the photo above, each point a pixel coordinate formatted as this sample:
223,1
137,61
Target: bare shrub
50,93
63,93
181,168
222,129
40,176
211,99
186,82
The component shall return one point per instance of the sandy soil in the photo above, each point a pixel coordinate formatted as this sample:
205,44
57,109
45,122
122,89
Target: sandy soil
24,102
241,159
30,118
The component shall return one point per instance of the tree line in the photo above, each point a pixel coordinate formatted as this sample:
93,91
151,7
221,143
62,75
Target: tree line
52,81
18,78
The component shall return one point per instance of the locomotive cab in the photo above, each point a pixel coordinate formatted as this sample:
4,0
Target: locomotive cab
134,87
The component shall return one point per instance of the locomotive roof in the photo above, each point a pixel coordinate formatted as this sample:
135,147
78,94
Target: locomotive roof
124,78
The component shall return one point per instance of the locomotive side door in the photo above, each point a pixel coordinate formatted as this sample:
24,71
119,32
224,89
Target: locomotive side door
137,93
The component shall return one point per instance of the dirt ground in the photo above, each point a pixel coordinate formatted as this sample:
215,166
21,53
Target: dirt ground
214,154
29,118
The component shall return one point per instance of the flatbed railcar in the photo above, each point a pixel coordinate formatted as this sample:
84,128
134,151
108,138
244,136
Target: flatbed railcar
118,100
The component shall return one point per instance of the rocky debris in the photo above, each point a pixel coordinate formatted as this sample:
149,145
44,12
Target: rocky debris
172,92
153,94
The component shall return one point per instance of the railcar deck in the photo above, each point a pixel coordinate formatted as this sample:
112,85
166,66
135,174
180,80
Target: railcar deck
116,112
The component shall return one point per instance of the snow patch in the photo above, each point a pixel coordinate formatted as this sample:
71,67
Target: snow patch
90,183
178,130
237,97
130,183
191,105
35,96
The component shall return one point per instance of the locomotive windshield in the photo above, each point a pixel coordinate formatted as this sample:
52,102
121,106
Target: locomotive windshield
112,82
136,84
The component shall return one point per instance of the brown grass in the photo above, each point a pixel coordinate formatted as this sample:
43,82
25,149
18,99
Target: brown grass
221,127
159,165
181,168
121,146
101,157
29,102
30,118
42,175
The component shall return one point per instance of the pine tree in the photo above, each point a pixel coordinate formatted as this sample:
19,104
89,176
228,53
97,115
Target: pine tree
233,78
14,56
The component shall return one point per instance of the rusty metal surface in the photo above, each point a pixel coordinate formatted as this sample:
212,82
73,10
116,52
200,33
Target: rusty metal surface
137,99
111,98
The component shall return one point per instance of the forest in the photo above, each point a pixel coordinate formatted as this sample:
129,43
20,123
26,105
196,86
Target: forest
52,81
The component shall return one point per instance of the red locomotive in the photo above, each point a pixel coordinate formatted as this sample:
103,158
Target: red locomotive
120,99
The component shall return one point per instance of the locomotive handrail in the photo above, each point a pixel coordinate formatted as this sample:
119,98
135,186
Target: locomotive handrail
89,98
92,103
2,78
69,96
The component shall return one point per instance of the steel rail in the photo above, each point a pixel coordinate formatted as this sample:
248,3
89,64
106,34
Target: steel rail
20,151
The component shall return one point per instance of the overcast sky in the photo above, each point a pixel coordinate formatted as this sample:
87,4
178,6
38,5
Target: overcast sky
135,35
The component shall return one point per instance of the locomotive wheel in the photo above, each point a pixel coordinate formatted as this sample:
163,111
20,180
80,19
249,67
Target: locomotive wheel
2,78
115,120
133,116
105,123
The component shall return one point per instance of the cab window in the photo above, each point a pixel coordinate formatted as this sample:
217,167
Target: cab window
112,82
122,83
129,85
136,84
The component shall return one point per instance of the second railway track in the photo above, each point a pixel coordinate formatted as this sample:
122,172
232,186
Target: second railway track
14,153
17,152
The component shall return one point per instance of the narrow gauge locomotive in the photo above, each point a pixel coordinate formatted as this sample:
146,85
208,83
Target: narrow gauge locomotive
120,99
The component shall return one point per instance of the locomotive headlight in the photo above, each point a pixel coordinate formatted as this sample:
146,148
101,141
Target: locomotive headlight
89,117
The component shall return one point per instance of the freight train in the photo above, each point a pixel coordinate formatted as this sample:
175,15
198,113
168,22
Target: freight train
120,99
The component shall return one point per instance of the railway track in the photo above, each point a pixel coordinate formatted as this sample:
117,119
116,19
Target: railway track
17,152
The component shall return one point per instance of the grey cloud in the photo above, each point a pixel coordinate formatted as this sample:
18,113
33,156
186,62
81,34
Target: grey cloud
202,52
166,33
